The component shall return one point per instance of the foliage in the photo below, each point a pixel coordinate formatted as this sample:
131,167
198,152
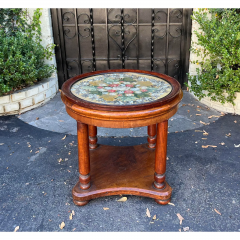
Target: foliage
218,47
21,54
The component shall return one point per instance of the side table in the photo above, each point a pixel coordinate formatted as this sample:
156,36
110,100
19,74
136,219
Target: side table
122,98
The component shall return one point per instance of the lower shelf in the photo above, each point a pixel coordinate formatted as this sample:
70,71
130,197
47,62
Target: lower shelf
122,170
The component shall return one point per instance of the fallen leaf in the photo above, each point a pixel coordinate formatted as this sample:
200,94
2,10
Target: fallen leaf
37,152
148,213
62,225
204,138
188,111
64,137
180,218
204,123
198,131
61,120
73,213
123,199
208,146
217,211
167,158
222,143
213,116
235,121
59,160
228,135
198,114
154,217
205,133
236,145
171,204
180,230
1,143
74,229
37,118
16,228
186,229
105,208
70,216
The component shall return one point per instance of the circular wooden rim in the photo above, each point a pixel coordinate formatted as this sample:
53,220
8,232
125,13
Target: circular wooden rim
66,90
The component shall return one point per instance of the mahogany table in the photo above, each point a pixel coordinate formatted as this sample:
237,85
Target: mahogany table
121,98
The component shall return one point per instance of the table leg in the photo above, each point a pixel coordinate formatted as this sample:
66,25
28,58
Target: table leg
92,136
83,159
152,129
160,158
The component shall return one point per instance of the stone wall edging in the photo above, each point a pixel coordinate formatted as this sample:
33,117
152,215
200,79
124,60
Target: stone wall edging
29,98
226,107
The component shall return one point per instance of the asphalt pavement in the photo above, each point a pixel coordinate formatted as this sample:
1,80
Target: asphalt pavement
39,169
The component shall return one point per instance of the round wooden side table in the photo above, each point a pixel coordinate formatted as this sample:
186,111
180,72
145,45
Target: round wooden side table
121,98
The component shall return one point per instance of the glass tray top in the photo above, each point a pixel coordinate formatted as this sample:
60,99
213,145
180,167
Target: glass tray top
121,88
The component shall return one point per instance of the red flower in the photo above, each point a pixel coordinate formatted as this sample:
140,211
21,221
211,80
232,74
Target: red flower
144,90
111,90
113,85
120,95
128,91
129,85
99,87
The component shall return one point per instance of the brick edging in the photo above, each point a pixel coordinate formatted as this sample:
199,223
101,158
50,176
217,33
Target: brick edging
29,98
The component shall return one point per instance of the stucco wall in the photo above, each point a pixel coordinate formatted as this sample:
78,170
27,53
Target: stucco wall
47,32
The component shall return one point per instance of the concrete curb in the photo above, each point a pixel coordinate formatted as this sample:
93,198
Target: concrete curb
226,107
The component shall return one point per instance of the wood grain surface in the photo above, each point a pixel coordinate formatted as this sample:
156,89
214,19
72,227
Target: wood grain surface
122,170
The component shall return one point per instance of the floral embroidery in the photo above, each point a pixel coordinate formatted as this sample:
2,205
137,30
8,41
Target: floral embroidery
121,88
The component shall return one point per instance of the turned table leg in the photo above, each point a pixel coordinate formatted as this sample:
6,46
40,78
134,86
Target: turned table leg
160,158
152,129
83,159
92,136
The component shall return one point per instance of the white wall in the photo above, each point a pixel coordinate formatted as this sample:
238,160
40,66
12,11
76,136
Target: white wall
47,31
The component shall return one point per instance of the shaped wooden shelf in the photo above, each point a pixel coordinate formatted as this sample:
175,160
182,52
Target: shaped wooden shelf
121,170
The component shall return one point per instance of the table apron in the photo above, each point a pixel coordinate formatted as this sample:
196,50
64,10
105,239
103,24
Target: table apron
123,123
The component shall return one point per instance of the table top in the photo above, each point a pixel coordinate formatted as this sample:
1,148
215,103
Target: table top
121,88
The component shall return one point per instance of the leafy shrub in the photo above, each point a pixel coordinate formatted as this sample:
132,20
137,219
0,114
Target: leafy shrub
21,54
218,46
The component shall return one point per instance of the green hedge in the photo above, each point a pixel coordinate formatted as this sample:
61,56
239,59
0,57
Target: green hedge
218,46
22,56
